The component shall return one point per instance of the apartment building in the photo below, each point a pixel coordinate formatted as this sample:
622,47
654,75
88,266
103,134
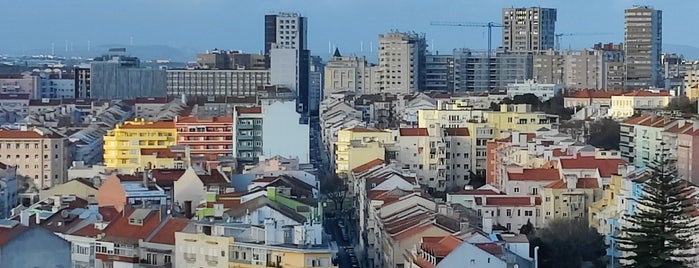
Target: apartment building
40,155
628,104
20,83
570,198
123,144
217,243
543,91
247,129
9,190
230,60
233,82
511,212
643,38
643,136
479,72
210,138
401,62
357,146
348,73
528,29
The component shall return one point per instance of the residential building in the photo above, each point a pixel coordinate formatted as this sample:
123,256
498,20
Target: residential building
210,138
217,243
348,73
280,114
287,46
569,198
20,83
9,190
631,103
248,134
230,60
23,246
118,76
586,97
510,212
613,65
484,254
40,156
215,82
82,82
528,29
688,154
120,191
401,62
84,188
477,71
357,146
316,83
123,144
643,38
439,73
543,91
691,84
56,85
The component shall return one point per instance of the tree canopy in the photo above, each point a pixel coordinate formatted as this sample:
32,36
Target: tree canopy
660,232
334,189
604,133
568,243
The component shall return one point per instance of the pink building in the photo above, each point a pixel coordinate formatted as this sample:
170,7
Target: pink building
20,83
688,155
210,140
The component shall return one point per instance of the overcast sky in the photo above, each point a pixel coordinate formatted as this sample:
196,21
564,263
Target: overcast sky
238,24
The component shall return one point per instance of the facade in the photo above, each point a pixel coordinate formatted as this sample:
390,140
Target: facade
543,91
401,62
123,144
56,85
477,71
628,104
569,198
528,29
118,76
209,138
41,157
598,68
20,83
9,190
82,82
290,64
643,40
32,247
230,60
247,131
357,146
688,155
347,73
439,72
233,82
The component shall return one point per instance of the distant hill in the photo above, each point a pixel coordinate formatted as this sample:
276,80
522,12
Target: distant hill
689,52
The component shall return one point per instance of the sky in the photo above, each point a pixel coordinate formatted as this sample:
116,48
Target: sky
350,25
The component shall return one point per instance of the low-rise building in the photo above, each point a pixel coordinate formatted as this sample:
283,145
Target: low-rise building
509,212
357,146
542,91
569,198
41,156
22,246
629,104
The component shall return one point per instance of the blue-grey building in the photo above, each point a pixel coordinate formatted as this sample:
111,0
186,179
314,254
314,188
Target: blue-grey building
9,190
118,76
23,246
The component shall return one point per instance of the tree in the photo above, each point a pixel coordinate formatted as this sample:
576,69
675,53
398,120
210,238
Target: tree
555,105
683,104
604,133
659,233
568,243
334,189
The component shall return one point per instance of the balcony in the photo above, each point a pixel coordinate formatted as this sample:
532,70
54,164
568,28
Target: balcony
190,257
245,126
211,260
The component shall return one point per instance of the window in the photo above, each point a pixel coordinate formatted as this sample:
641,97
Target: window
152,258
516,189
535,191
509,213
528,213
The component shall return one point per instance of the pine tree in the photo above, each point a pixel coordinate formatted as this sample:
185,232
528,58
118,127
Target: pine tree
659,233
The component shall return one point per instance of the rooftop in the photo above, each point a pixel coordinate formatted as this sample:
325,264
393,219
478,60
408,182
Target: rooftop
509,201
607,167
535,174
422,132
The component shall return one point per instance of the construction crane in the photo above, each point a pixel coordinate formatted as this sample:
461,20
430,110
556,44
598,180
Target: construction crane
558,37
489,25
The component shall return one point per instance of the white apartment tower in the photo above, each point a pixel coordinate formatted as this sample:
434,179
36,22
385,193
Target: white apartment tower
643,38
528,29
401,62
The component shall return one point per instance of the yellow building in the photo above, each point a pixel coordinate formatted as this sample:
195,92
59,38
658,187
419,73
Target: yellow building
520,118
609,207
222,244
628,104
569,198
357,146
691,84
123,144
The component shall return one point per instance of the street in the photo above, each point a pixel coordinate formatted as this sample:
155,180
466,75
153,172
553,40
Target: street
345,247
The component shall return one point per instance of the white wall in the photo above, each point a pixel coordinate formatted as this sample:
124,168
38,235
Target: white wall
281,132
283,67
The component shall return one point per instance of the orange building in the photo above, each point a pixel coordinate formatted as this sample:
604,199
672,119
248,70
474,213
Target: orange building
209,140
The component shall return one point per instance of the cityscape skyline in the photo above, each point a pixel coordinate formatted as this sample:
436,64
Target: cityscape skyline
143,28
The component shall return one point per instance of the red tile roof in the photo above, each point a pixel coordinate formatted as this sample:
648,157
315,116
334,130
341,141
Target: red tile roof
88,231
646,93
248,110
440,246
607,167
166,234
7,234
583,183
368,165
508,201
109,213
120,230
422,263
530,137
535,174
450,242
196,120
594,94
215,177
166,177
559,152
478,192
129,177
19,134
148,125
637,119
414,132
492,248
687,127
459,131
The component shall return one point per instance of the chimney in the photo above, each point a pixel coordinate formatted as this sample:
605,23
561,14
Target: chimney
24,217
571,182
146,169
532,200
37,218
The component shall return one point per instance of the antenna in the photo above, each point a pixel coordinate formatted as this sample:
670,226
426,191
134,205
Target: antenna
53,48
131,41
88,45
66,45
361,46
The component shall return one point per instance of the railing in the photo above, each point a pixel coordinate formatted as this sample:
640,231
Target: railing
190,257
